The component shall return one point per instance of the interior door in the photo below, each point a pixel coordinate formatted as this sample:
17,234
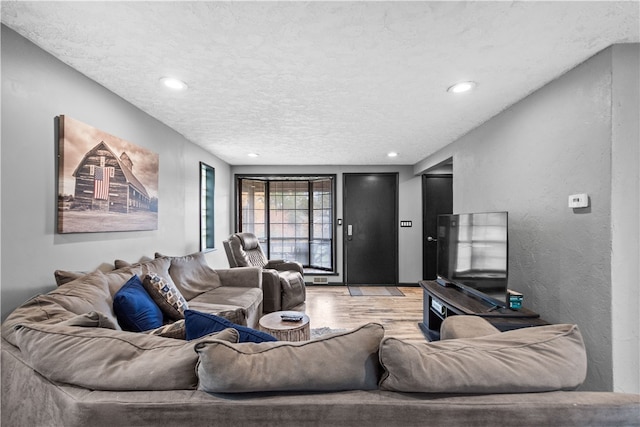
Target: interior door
437,199
370,229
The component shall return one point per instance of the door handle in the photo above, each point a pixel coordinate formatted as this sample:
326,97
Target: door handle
431,239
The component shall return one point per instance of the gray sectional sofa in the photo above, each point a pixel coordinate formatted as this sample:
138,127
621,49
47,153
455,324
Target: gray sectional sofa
66,362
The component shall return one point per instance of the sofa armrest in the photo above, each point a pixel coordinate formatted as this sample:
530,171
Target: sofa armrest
466,327
272,291
282,265
248,277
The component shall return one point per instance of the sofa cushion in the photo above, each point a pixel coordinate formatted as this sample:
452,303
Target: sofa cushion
135,309
535,359
198,324
164,292
39,309
192,275
117,278
250,299
466,327
104,359
343,361
87,293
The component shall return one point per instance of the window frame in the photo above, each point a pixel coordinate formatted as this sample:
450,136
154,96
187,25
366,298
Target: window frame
206,212
309,178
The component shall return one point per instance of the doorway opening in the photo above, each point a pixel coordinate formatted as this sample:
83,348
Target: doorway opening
437,199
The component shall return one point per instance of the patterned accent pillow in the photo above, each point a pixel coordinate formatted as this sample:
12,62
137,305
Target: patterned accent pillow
166,295
174,330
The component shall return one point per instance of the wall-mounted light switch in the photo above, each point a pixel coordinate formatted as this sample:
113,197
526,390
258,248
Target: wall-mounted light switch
579,200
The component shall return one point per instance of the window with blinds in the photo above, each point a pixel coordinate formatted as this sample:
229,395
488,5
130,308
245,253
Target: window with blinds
207,221
293,217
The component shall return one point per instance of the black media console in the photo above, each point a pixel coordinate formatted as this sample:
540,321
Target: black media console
440,302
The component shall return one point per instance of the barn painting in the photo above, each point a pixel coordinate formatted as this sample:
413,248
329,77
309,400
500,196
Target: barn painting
104,182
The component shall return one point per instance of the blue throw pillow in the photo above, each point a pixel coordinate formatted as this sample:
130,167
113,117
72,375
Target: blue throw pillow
198,324
134,308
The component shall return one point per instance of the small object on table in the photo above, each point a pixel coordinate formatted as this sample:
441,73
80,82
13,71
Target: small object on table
286,330
291,317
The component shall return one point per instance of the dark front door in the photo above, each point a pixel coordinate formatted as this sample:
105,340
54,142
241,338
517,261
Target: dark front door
370,229
437,199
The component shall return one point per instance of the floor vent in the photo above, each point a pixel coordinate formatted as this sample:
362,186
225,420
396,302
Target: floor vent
320,280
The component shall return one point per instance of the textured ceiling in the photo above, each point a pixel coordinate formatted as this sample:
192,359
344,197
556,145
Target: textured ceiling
339,83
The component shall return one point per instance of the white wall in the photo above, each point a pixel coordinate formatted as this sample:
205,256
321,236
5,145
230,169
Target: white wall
35,89
577,134
410,209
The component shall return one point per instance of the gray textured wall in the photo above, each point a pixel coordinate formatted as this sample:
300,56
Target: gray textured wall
625,218
35,89
555,143
527,160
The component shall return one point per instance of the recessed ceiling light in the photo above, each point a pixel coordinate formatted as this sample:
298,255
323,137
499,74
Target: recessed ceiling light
392,154
173,83
462,87
253,154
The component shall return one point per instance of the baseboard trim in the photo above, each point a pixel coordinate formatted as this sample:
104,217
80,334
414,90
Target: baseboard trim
404,284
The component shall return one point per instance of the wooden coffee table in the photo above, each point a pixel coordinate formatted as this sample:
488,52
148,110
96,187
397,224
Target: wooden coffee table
273,324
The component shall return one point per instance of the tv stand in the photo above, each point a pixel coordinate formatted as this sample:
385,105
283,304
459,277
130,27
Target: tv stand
439,302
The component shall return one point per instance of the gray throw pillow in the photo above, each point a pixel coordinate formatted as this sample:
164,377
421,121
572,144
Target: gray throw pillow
118,278
192,275
63,276
118,263
343,361
535,359
87,293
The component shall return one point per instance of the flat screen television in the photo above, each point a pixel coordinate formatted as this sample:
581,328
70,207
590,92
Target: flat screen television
473,254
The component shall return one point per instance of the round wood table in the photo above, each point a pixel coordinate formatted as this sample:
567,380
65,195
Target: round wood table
273,324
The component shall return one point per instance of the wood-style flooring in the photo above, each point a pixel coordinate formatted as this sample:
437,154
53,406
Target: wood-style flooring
333,307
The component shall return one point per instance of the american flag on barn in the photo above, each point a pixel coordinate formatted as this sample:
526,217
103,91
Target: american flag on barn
106,182
101,177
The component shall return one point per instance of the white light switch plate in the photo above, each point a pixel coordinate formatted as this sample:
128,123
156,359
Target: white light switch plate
579,200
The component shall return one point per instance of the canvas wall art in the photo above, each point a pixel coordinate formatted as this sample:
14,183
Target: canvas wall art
104,182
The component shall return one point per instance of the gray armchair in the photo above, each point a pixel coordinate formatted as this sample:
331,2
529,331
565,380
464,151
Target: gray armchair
282,281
